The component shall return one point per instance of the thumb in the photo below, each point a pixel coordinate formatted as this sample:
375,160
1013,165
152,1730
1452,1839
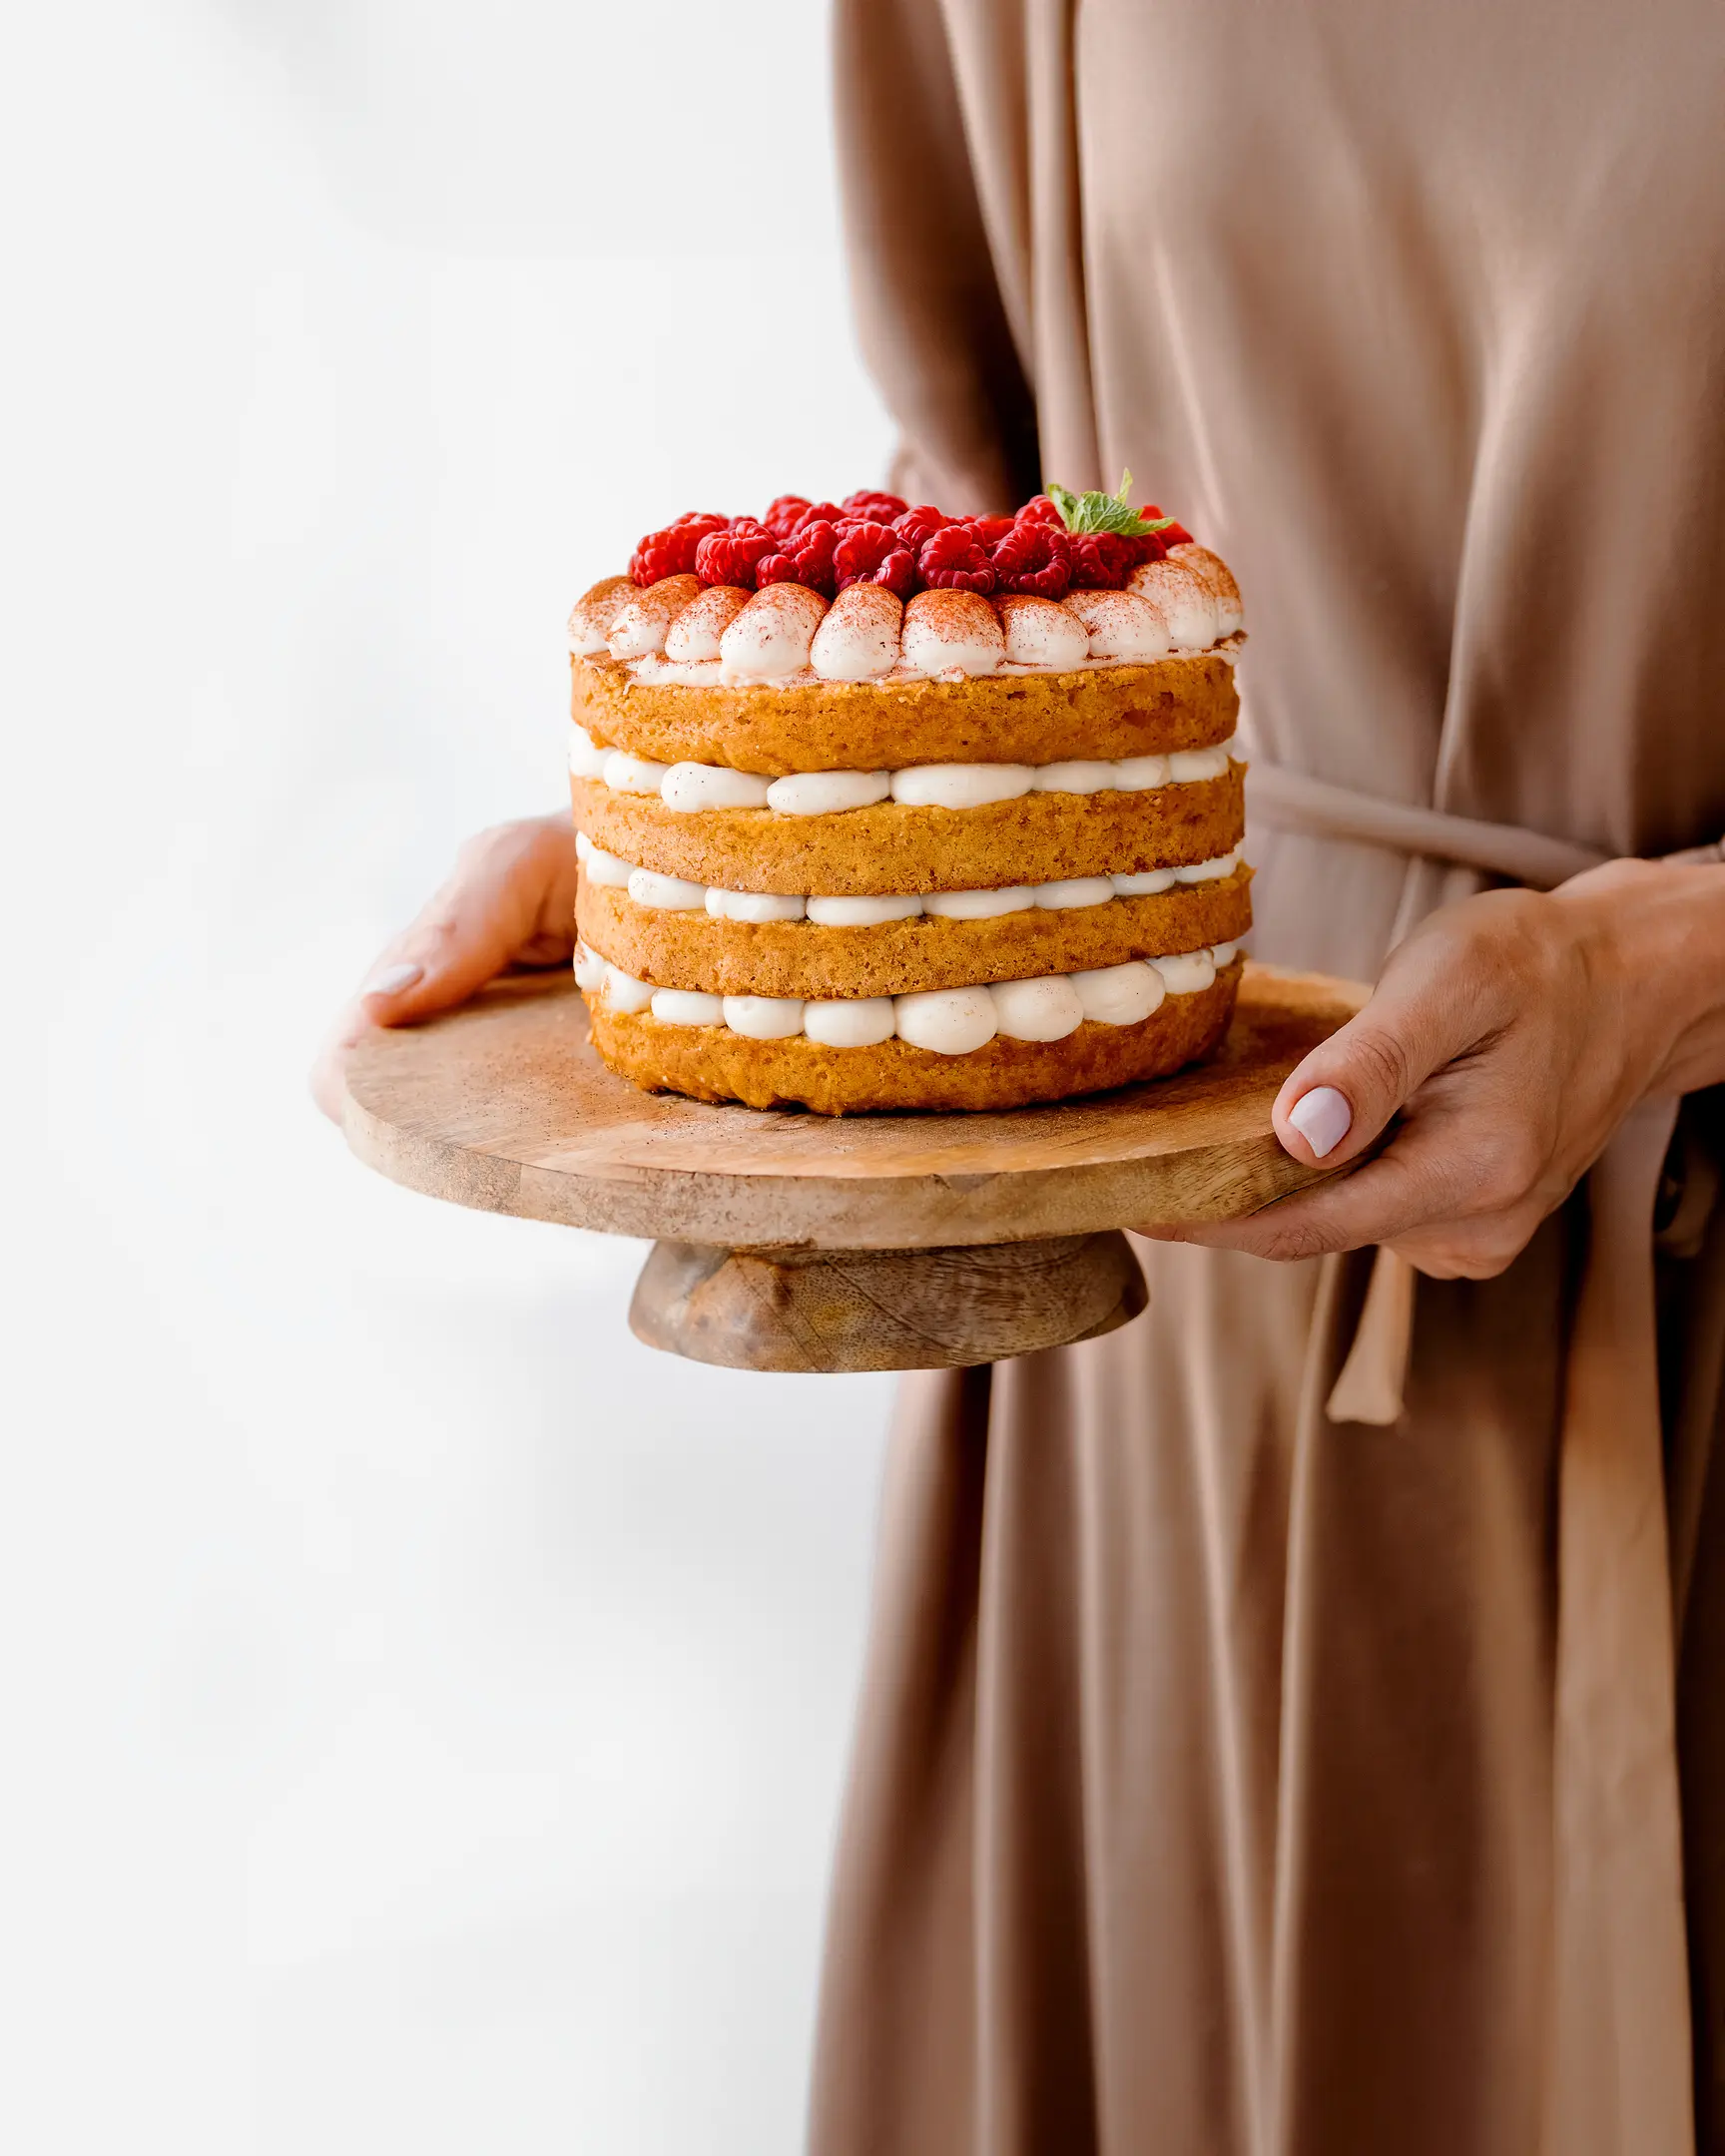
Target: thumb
1338,1102
511,898
428,969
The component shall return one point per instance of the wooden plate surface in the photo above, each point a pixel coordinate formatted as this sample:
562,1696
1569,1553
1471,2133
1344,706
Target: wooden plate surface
504,1106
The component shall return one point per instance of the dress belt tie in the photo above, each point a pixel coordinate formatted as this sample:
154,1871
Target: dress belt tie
1291,801
1619,2066
1294,801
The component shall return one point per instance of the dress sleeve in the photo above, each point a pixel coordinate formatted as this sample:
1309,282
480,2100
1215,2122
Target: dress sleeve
930,319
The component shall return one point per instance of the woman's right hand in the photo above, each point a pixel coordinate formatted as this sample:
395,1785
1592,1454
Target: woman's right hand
509,901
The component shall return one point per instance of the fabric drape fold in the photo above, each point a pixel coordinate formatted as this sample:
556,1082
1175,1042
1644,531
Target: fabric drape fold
1620,2056
1234,1778
1620,2067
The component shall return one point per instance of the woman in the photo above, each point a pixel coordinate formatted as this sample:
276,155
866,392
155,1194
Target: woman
1292,1724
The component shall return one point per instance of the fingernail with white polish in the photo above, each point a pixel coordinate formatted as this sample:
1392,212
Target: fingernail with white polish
1322,1118
392,981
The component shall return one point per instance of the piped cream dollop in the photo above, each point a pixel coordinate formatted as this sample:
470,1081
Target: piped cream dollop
667,893
857,641
1041,633
593,615
1123,628
687,1008
828,792
690,787
764,1017
772,635
862,911
696,633
961,786
1119,994
640,627
1037,1010
1183,600
980,904
625,774
1186,972
949,632
865,1023
1075,892
951,1021
1076,777
757,906
1218,579
599,867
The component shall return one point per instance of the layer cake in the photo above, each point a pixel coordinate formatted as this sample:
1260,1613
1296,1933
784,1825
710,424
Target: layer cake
881,808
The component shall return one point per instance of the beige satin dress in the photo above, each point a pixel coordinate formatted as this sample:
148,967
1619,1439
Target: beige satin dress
1295,1725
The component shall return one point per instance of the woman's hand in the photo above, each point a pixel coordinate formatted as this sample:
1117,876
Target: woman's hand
1508,1038
509,902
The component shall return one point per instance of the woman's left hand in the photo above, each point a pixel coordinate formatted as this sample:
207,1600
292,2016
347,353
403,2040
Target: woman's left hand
1506,1039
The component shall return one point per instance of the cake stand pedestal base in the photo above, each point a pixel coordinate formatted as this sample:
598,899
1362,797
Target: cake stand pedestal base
795,1242
863,1309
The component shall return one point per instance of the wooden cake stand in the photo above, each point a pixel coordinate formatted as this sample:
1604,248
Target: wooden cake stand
797,1242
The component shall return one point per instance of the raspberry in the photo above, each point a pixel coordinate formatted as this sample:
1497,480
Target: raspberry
1035,558
804,558
873,508
1153,545
1175,535
671,552
784,515
814,542
990,530
872,553
1039,509
1102,561
730,556
917,526
820,513
954,558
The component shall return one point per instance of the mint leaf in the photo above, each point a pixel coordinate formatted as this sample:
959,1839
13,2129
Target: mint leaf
1103,513
1098,512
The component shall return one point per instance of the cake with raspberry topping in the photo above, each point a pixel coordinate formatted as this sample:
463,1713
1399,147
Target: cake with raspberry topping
884,808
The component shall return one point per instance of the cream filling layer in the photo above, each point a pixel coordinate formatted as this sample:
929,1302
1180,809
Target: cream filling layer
656,670
948,1021
677,894
689,788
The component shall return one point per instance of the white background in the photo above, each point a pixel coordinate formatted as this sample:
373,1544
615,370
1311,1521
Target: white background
423,1708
